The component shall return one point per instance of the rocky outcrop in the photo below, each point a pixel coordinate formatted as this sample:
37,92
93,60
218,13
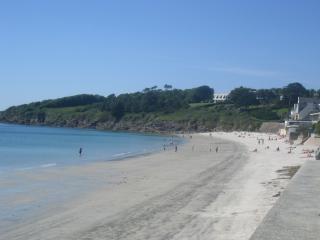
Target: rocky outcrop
157,123
122,125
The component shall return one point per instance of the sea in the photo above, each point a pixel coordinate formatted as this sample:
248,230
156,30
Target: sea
31,158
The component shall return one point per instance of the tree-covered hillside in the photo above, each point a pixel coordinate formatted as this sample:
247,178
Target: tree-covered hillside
162,110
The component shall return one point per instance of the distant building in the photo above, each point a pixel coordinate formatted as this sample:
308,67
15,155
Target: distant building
303,109
304,113
293,128
315,117
220,97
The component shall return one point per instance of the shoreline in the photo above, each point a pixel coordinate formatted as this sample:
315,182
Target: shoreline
137,131
116,157
184,195
161,133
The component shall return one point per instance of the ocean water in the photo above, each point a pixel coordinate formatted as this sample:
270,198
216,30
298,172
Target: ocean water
29,147
31,159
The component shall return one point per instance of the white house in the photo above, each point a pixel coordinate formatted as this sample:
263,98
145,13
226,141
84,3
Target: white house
304,114
304,107
220,97
293,127
315,117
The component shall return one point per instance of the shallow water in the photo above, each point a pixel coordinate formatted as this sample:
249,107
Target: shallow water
28,147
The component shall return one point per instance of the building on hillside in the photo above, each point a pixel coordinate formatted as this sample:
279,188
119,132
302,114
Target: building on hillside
304,113
220,97
315,117
304,107
293,128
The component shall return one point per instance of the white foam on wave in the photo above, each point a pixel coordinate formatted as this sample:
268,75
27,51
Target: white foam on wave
48,165
121,154
35,167
25,168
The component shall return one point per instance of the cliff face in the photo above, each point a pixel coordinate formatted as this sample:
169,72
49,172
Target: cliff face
153,126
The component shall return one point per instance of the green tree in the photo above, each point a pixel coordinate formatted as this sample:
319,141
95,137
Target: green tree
146,90
317,128
77,100
200,94
292,91
311,93
118,110
108,103
266,96
41,116
243,96
167,87
149,101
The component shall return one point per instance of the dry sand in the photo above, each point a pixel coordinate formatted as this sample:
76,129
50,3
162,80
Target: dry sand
191,194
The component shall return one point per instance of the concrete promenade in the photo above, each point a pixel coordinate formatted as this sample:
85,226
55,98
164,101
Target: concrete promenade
296,215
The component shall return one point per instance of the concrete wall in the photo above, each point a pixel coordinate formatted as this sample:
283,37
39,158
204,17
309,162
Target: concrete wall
296,215
271,127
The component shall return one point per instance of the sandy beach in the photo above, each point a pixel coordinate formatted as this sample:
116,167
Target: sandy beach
195,193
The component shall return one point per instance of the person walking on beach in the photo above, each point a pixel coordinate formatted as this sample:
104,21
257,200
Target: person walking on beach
176,148
217,149
80,152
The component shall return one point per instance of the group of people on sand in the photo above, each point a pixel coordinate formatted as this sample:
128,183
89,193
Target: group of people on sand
165,146
272,138
210,148
309,152
260,141
171,144
277,149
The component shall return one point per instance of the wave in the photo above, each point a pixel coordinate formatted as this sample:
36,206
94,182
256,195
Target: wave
35,167
121,154
48,165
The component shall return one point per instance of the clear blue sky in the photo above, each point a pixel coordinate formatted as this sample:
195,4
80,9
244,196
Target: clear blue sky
57,48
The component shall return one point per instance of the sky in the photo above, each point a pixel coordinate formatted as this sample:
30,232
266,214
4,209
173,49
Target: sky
51,49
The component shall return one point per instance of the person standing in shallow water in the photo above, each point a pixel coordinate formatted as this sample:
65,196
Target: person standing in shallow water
80,152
